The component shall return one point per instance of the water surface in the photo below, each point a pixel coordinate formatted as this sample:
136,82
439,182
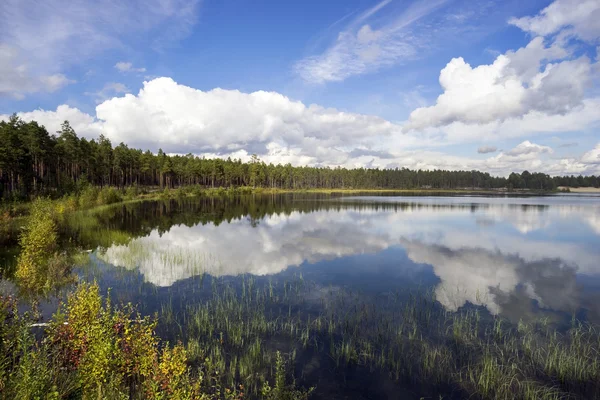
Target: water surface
368,297
515,256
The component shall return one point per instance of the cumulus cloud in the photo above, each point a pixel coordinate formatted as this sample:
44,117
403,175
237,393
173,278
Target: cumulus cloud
183,119
547,79
372,153
592,156
84,124
502,90
580,119
580,16
123,66
38,40
487,149
525,155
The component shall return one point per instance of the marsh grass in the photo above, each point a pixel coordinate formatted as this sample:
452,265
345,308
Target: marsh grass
408,337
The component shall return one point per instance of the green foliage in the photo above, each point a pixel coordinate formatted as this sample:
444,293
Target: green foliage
41,266
89,197
165,194
282,391
132,192
25,365
109,195
92,350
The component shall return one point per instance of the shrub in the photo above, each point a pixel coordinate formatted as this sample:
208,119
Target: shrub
132,192
196,190
109,195
88,197
38,243
116,351
165,194
5,227
282,391
41,267
181,192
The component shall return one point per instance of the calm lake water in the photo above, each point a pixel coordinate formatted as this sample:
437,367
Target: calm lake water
515,256
370,297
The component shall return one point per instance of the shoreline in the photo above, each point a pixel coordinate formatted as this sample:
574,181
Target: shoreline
20,208
579,189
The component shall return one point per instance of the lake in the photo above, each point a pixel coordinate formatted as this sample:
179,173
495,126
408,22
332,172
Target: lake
516,256
343,286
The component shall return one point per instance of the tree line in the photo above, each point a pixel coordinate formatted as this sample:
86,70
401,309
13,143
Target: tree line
35,162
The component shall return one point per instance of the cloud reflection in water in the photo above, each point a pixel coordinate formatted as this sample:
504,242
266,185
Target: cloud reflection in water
532,251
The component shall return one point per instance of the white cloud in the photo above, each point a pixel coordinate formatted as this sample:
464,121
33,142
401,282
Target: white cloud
128,67
507,88
360,48
583,118
580,16
540,88
84,124
229,123
182,119
527,148
50,36
525,155
592,156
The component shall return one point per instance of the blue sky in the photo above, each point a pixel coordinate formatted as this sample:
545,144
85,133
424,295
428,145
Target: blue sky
493,85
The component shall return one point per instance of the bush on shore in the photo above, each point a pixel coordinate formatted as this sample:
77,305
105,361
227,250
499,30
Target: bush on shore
41,265
92,350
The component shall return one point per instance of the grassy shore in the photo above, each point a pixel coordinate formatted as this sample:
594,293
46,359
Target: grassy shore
12,214
579,189
93,197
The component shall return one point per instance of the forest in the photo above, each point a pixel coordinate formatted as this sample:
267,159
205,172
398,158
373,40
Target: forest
35,162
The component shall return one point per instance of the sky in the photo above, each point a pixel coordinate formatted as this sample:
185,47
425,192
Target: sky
493,85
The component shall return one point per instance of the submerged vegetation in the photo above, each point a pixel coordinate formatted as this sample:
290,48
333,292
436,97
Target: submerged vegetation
266,340
405,338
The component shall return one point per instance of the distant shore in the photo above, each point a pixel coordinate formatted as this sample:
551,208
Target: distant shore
580,189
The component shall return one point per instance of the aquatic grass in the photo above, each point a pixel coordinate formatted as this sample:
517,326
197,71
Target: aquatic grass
408,336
